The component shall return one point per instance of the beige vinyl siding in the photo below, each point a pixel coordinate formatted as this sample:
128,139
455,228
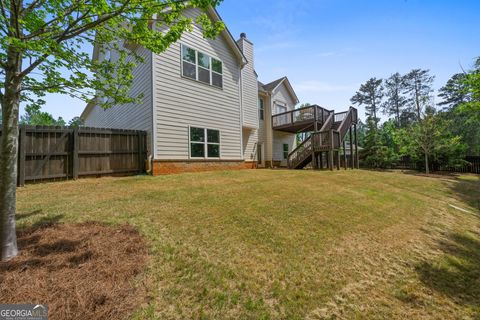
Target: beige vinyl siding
264,127
279,139
250,141
180,102
249,87
282,95
135,116
267,137
261,138
249,102
262,123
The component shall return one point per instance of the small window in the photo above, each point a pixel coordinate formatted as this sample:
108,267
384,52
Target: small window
204,143
201,67
280,109
189,63
217,66
261,110
197,134
197,150
197,142
217,73
188,54
285,151
217,80
213,141
213,136
203,75
203,61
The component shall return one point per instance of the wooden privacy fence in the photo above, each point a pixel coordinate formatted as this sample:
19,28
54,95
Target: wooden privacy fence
47,153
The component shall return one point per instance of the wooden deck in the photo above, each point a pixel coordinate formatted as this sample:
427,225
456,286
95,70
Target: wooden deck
301,120
328,137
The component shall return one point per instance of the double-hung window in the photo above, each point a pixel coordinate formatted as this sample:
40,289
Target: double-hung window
285,151
204,143
201,67
261,109
280,108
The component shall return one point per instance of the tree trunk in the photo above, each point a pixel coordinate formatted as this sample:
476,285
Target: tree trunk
417,102
427,169
8,155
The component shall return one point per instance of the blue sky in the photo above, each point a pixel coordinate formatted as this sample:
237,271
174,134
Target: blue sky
328,48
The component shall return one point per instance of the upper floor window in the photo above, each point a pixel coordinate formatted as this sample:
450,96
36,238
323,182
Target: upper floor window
261,109
201,67
280,109
204,143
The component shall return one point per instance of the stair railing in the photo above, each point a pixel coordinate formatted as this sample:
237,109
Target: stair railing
346,123
300,153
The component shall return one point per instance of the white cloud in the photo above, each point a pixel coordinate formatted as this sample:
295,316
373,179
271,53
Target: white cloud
319,86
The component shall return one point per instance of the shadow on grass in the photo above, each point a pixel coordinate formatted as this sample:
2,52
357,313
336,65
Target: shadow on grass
21,216
468,191
457,273
42,222
465,186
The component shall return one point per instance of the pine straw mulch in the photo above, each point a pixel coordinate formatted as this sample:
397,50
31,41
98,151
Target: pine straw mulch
87,270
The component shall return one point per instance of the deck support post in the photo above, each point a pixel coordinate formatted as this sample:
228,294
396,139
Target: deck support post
352,162
357,162
338,159
315,130
345,164
330,152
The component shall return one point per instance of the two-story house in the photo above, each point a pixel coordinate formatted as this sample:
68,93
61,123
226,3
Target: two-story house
202,106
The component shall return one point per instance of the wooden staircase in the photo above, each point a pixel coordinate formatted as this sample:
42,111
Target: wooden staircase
319,148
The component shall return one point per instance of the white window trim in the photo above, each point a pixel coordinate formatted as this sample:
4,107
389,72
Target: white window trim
197,66
205,143
262,105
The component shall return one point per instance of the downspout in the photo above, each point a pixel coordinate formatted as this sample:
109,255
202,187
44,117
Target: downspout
153,146
270,131
240,89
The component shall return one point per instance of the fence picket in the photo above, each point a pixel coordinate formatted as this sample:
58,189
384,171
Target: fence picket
47,153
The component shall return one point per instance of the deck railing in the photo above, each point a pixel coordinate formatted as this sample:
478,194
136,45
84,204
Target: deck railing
319,141
305,114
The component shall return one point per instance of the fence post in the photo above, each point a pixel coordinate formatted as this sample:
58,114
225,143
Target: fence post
75,160
21,156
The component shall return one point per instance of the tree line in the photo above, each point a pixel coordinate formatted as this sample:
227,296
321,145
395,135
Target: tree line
418,128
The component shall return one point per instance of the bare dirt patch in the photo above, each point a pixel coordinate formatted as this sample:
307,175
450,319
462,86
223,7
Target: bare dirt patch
87,270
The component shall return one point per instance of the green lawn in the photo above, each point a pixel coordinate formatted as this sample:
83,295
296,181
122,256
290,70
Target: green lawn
275,244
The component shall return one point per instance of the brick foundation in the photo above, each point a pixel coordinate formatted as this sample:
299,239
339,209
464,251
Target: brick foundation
171,167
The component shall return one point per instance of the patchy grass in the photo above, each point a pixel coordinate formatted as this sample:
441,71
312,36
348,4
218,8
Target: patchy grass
289,244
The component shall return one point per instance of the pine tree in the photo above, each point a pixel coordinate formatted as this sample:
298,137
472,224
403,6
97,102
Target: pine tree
419,87
370,95
454,92
396,101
